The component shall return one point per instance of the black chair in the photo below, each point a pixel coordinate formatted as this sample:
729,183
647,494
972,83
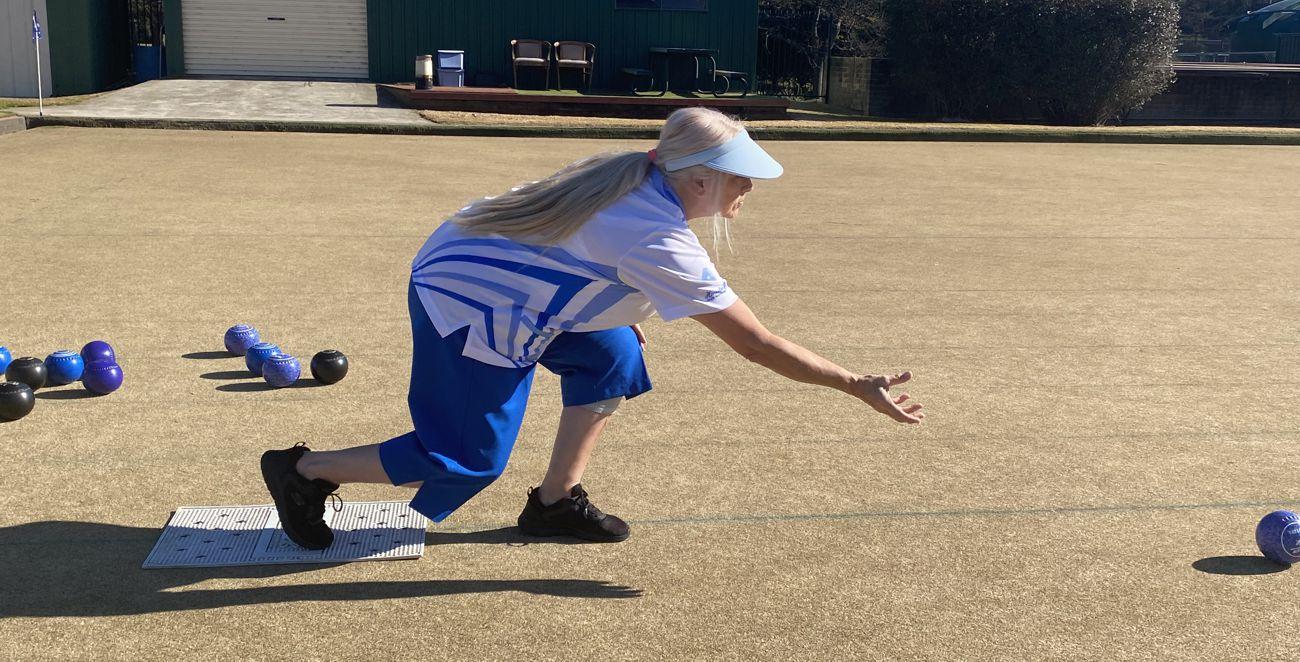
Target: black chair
531,53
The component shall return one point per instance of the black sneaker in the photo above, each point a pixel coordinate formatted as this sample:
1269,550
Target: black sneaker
299,500
573,515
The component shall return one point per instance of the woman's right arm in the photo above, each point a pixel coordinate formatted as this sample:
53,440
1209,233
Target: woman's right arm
740,329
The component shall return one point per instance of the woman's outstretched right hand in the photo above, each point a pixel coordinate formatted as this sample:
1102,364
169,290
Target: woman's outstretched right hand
874,390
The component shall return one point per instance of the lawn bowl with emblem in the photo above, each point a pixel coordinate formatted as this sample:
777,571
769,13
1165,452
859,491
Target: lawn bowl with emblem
64,366
102,377
16,400
28,370
1278,536
329,366
98,350
240,337
281,370
258,354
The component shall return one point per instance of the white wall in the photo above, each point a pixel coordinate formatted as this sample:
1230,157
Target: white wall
17,53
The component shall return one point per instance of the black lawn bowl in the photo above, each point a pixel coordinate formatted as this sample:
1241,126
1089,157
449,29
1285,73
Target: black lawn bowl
28,370
16,400
329,366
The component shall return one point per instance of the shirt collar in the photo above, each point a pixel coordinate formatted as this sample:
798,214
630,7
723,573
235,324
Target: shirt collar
660,184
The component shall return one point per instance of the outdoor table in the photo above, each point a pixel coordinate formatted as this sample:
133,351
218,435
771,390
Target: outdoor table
667,54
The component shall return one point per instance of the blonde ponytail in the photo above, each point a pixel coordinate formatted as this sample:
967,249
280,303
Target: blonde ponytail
549,211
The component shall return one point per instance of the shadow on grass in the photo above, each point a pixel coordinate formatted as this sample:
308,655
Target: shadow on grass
80,569
228,374
1238,565
259,386
66,394
508,535
209,355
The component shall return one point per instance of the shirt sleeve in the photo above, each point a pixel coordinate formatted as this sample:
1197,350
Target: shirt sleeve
672,269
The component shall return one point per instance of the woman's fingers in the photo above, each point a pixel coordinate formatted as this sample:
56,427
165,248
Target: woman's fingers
900,378
879,398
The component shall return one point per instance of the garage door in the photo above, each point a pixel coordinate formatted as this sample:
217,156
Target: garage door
291,38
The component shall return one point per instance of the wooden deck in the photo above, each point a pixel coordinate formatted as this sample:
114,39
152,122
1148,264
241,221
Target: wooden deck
509,101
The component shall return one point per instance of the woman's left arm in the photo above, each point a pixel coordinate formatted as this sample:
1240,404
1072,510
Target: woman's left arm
740,329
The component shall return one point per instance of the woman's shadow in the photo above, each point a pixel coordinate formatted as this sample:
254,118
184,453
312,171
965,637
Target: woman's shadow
55,569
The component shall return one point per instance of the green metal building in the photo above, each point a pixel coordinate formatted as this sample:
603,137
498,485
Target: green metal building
86,47
378,40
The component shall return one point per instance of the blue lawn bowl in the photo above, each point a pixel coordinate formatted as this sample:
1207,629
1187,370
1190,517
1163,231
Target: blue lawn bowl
65,366
281,370
258,354
5,358
239,338
1278,536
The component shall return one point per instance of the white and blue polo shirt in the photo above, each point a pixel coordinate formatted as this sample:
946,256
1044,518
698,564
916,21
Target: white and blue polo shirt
630,260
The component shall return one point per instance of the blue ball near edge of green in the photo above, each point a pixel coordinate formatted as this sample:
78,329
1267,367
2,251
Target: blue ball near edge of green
1278,537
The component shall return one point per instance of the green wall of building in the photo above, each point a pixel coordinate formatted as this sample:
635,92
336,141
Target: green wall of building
402,29
399,30
175,51
90,48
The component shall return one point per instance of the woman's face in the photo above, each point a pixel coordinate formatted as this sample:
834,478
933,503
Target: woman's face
733,193
715,192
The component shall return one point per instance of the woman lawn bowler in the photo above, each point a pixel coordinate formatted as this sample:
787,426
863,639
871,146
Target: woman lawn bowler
559,272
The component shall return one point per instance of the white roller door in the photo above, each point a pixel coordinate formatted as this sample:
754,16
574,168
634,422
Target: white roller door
292,38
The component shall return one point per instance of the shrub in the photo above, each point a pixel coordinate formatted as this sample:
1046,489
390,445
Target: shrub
1073,61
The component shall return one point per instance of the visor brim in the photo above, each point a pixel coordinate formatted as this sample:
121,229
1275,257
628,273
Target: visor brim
747,160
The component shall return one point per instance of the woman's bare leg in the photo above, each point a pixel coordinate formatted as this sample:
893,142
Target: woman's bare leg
574,440
576,437
350,465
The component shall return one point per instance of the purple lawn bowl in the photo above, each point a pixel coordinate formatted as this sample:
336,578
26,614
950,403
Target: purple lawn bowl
98,350
281,370
239,338
102,377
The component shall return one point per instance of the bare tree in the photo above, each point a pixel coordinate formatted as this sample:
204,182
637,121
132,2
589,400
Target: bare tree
817,29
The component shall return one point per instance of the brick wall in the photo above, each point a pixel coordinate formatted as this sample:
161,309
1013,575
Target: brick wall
1266,95
860,84
1246,94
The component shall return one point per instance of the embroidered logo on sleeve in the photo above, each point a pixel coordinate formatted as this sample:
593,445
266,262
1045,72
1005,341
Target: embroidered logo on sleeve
711,294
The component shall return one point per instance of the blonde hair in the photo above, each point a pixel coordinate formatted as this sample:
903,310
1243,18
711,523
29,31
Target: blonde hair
550,210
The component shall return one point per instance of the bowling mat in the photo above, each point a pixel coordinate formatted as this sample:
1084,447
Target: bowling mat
251,535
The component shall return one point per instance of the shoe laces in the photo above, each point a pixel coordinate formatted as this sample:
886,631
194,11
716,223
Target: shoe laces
584,505
337,502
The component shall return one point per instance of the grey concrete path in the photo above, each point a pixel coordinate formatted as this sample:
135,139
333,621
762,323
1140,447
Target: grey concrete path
11,125
245,100
342,107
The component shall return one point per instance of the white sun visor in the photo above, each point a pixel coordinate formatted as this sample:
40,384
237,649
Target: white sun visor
739,156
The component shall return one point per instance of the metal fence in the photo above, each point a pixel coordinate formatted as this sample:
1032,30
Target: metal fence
786,67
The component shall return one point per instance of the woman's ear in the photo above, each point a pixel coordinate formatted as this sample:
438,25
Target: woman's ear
700,186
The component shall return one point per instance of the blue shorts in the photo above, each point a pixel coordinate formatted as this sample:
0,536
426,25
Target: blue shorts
467,413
